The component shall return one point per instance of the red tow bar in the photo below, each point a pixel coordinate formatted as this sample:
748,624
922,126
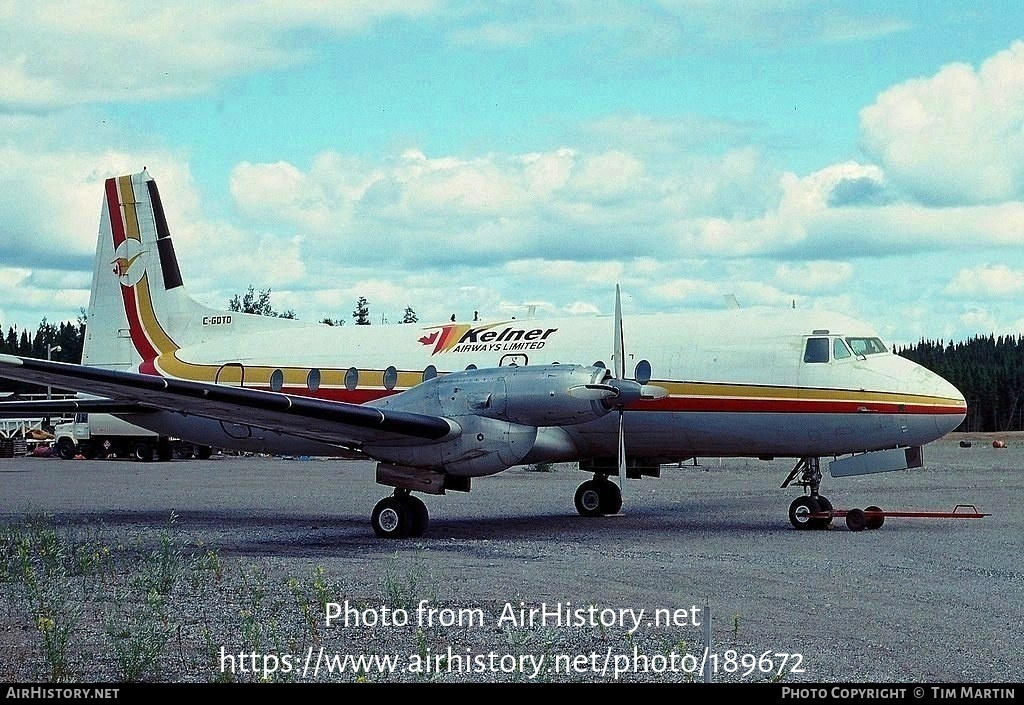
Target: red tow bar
874,517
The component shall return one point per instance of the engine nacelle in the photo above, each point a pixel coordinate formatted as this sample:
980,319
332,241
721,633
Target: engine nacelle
485,446
534,395
498,410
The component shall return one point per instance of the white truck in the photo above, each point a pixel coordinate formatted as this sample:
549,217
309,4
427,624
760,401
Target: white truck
103,436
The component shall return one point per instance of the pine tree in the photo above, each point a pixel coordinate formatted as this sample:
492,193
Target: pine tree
257,304
362,312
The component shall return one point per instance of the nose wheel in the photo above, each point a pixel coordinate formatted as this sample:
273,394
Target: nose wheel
808,512
811,511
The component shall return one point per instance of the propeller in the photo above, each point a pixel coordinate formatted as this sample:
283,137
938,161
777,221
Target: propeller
615,391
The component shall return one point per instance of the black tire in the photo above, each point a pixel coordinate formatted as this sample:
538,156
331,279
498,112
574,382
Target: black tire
800,512
66,449
611,497
143,452
204,452
419,515
391,518
164,452
588,499
875,517
856,520
823,506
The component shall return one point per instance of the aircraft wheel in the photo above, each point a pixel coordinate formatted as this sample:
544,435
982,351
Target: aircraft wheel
418,515
391,518
588,499
611,497
876,521
164,453
800,512
203,452
142,452
856,520
823,506
66,449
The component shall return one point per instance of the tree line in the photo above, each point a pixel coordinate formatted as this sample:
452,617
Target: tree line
259,303
59,341
988,370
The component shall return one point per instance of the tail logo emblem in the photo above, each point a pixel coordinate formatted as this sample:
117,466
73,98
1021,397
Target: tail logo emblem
125,265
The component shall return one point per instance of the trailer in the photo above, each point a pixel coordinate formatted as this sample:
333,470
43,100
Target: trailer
105,436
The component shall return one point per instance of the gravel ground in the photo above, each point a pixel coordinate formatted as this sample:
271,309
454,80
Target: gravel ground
99,584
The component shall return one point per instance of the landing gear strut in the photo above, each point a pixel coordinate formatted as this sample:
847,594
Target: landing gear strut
598,497
401,515
802,508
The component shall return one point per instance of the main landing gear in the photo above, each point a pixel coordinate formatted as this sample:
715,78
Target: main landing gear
401,515
598,497
805,512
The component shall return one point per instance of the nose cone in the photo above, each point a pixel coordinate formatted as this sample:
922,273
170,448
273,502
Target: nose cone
943,403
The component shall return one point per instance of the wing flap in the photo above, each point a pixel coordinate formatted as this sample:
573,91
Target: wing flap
332,421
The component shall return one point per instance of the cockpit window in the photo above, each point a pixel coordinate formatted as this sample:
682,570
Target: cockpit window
866,346
816,350
839,349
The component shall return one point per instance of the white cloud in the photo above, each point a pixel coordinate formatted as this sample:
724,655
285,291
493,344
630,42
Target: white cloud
954,138
814,277
987,282
607,177
55,216
56,54
980,320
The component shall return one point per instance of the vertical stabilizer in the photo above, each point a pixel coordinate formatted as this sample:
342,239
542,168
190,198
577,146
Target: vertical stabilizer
138,307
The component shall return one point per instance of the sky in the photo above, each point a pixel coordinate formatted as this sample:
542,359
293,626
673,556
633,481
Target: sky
455,156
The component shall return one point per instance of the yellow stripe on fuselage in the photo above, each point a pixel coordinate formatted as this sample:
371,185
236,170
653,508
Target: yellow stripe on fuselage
714,390
334,378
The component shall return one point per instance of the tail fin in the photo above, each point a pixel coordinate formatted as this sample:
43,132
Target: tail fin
138,299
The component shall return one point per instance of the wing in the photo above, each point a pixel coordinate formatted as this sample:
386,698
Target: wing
126,392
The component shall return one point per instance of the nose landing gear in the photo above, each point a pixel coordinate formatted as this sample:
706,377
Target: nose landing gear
810,511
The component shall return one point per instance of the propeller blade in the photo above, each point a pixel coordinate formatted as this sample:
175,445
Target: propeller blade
620,360
593,392
652,391
620,374
622,455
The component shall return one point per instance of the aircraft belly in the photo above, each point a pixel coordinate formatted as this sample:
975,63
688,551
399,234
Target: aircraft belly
689,434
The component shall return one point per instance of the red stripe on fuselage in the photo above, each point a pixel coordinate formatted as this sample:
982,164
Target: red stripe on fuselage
693,405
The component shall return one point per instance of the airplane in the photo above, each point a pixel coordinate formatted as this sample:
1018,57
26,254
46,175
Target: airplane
438,405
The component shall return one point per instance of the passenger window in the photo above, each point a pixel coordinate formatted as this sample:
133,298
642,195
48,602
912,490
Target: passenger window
313,380
839,349
642,374
816,350
277,381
